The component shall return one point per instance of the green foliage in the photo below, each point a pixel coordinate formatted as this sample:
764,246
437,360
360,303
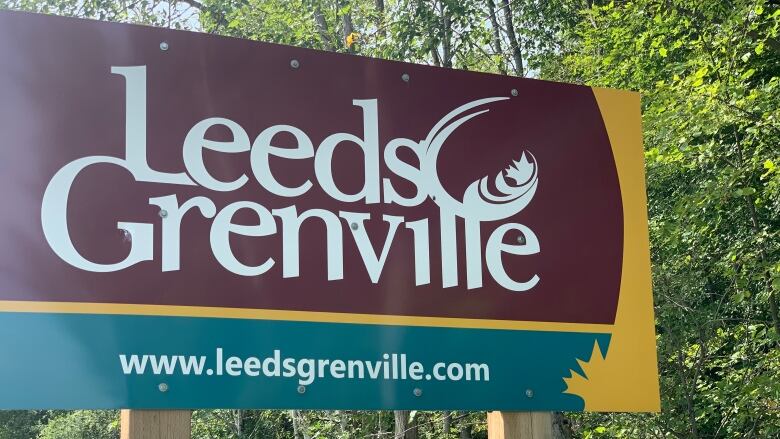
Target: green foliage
708,72
177,14
22,424
240,424
83,424
282,21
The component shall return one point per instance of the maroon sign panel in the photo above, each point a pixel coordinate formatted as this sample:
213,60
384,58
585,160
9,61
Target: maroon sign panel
149,166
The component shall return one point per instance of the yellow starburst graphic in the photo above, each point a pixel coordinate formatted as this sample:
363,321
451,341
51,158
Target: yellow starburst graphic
591,385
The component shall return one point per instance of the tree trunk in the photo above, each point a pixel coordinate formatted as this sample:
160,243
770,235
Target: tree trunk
446,36
380,20
322,27
300,430
296,430
380,430
496,36
343,415
435,57
238,422
401,423
517,54
465,428
446,424
404,428
561,426
346,29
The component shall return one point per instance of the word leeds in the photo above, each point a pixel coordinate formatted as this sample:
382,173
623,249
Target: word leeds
481,202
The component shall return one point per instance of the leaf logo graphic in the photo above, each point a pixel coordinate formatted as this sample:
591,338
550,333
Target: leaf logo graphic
479,203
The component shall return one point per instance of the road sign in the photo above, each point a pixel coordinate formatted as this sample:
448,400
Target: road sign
199,221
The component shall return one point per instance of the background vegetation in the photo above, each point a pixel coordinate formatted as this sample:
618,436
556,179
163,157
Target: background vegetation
708,72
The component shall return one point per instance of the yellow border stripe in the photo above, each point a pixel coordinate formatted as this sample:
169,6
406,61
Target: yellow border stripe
296,316
631,364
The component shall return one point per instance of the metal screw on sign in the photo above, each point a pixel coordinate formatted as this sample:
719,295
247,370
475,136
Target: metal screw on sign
529,393
417,392
126,236
354,226
301,389
521,239
163,46
514,92
163,213
405,77
295,63
163,387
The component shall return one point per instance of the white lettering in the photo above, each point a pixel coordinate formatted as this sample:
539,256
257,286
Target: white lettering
54,220
323,166
496,246
222,227
483,203
373,263
196,141
262,149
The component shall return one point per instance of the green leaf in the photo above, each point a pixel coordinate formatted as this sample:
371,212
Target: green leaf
743,192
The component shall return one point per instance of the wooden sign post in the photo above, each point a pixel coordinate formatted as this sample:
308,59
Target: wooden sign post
520,425
176,424
156,424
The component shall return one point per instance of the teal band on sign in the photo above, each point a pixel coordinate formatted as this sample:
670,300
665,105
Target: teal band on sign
45,363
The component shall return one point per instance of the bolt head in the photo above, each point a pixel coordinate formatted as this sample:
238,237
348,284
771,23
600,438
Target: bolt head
514,92
529,393
405,77
163,46
521,239
301,389
162,387
295,63
417,392
354,226
163,213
